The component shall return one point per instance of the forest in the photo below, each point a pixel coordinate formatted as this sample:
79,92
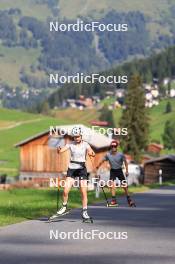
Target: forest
157,67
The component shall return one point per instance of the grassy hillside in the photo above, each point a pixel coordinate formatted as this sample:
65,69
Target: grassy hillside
72,9
13,60
159,118
89,7
28,8
77,116
14,127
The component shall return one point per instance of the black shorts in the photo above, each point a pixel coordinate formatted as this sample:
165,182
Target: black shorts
80,173
117,173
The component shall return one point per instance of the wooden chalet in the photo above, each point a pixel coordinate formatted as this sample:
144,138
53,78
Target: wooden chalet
152,167
39,157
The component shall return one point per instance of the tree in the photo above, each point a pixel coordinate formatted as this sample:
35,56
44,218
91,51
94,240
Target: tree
45,110
168,108
107,115
135,119
169,87
169,135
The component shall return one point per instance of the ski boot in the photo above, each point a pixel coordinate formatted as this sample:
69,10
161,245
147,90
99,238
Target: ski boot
130,202
113,203
86,217
62,211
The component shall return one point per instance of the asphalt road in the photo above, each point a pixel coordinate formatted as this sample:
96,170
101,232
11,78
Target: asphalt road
150,231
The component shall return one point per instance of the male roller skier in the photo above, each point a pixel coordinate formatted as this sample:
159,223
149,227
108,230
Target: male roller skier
77,168
116,160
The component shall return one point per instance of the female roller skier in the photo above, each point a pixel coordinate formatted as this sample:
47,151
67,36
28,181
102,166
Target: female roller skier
79,149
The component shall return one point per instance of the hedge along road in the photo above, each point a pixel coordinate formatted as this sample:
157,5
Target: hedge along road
150,228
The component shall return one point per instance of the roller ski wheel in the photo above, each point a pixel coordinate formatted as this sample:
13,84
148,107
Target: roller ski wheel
86,218
131,203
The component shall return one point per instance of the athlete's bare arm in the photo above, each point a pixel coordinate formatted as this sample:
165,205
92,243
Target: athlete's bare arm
90,152
99,165
62,149
126,166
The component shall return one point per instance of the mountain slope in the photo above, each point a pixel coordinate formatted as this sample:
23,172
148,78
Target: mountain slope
29,52
86,8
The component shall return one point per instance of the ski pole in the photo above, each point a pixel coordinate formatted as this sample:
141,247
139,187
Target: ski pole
104,193
105,196
58,193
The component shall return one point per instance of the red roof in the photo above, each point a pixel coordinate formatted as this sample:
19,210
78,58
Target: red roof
99,123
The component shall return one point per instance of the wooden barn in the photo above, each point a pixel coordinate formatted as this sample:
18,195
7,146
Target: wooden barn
152,167
40,160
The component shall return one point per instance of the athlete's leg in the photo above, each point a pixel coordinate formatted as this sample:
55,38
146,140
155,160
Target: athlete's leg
129,200
68,185
113,192
126,191
113,188
83,190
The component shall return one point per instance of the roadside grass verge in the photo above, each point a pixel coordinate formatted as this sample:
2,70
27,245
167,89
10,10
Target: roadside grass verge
18,205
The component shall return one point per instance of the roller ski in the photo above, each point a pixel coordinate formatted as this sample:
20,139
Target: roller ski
86,218
63,211
113,203
130,202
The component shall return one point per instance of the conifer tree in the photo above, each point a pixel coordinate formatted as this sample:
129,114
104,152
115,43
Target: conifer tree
135,119
107,115
168,108
169,134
